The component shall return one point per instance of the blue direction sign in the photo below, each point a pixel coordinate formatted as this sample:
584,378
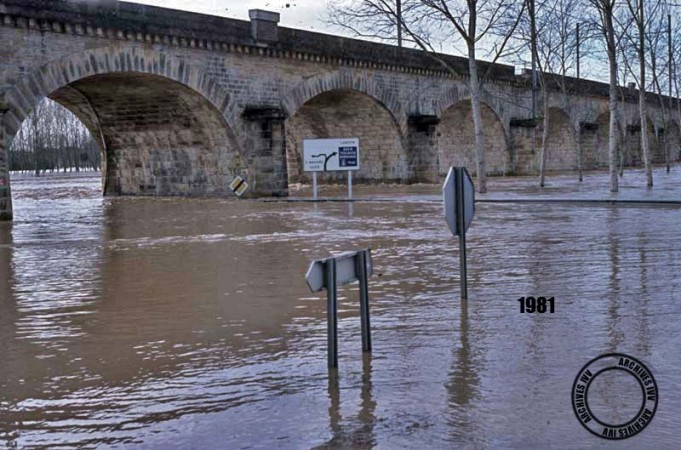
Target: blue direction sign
347,157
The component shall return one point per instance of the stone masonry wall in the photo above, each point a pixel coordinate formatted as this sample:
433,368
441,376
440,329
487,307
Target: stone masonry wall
197,99
456,143
561,148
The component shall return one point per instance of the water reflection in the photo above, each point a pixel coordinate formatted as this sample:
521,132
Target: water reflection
616,337
9,425
463,381
352,432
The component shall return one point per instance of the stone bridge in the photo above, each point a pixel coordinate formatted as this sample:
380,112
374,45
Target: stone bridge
181,103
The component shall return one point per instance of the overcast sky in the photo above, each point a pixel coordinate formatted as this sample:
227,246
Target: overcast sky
303,14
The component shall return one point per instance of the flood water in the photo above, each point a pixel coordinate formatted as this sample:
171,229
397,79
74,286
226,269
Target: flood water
187,323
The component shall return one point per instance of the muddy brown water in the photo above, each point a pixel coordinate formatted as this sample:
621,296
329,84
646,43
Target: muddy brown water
186,323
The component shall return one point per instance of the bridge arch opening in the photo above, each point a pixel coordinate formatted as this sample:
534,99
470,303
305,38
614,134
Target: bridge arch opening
671,138
456,140
595,143
633,152
52,139
157,136
345,113
561,145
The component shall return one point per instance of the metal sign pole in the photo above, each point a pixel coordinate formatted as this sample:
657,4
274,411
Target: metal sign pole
314,185
328,274
332,312
462,233
364,300
350,184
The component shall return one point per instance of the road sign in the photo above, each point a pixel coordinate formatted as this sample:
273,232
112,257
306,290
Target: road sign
346,272
330,272
325,155
459,202
238,186
449,191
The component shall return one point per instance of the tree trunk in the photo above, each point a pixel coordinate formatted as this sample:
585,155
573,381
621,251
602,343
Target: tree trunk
480,168
580,153
622,146
544,137
612,144
645,142
642,107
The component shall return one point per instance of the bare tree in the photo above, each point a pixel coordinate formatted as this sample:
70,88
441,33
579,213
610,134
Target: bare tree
642,14
606,10
674,76
426,24
662,40
555,47
50,139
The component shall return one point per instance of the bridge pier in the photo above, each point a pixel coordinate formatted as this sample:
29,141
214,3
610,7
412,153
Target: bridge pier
269,142
5,193
422,148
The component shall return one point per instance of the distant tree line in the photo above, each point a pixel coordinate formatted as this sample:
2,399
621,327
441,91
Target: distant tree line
53,139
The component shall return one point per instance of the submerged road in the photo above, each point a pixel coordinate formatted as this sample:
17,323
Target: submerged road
177,323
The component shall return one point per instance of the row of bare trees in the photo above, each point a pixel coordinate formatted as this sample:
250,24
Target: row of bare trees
637,38
53,139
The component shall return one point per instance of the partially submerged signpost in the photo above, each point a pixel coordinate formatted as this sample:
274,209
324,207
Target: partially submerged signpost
328,274
327,155
459,201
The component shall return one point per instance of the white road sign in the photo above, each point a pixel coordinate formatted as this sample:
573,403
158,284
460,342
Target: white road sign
325,155
449,189
346,270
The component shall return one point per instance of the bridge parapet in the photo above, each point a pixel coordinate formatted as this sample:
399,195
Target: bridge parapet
131,21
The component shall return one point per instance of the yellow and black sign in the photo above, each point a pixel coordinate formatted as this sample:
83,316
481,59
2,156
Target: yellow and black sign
238,186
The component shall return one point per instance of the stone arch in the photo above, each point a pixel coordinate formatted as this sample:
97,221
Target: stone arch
349,113
633,153
561,146
164,125
456,140
595,143
31,89
672,138
455,95
345,81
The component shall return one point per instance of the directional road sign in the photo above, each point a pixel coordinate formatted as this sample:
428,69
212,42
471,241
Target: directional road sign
346,271
328,274
325,155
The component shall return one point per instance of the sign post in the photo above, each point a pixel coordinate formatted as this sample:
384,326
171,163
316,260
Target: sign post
350,184
328,274
329,155
314,185
459,202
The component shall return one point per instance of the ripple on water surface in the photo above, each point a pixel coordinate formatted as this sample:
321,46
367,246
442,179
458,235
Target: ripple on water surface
175,322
